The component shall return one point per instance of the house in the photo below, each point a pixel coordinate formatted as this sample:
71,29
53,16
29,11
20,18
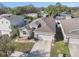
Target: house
44,14
44,28
70,27
8,22
26,32
32,15
63,16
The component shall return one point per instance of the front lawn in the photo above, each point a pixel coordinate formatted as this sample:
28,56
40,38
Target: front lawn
8,46
23,46
27,46
59,47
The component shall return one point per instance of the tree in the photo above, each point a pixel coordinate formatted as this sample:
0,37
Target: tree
75,14
23,10
3,9
17,30
6,46
10,10
16,10
58,4
49,10
58,9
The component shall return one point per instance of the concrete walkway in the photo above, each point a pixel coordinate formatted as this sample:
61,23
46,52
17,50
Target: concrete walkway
41,49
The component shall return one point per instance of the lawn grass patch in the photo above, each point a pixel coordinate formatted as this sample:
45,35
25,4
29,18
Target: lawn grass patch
27,46
59,47
23,46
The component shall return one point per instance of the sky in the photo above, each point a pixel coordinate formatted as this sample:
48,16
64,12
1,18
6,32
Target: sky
39,4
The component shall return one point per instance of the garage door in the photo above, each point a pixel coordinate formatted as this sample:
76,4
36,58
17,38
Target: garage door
45,37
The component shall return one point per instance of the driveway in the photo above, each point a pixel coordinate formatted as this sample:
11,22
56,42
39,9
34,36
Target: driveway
74,47
74,50
74,41
41,49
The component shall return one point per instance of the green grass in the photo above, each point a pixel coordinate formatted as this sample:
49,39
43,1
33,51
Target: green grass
2,54
61,47
23,46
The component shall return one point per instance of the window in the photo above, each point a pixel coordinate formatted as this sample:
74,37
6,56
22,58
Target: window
24,32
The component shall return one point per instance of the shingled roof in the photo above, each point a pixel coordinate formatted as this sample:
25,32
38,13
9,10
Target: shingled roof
11,17
14,19
69,25
47,25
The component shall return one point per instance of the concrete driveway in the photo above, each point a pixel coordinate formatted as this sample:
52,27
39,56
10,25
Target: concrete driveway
74,50
41,49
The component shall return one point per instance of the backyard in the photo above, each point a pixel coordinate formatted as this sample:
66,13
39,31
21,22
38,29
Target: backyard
59,48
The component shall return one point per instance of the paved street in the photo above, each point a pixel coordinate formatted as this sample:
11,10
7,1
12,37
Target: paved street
41,49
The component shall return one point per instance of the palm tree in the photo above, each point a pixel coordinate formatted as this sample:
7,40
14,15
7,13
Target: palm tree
17,30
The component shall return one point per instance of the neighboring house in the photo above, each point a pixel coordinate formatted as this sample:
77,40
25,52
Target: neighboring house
8,22
66,16
44,28
63,16
70,29
32,15
44,14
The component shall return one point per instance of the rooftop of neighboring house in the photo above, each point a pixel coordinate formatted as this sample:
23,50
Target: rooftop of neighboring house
14,19
31,14
46,25
63,16
71,26
11,16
